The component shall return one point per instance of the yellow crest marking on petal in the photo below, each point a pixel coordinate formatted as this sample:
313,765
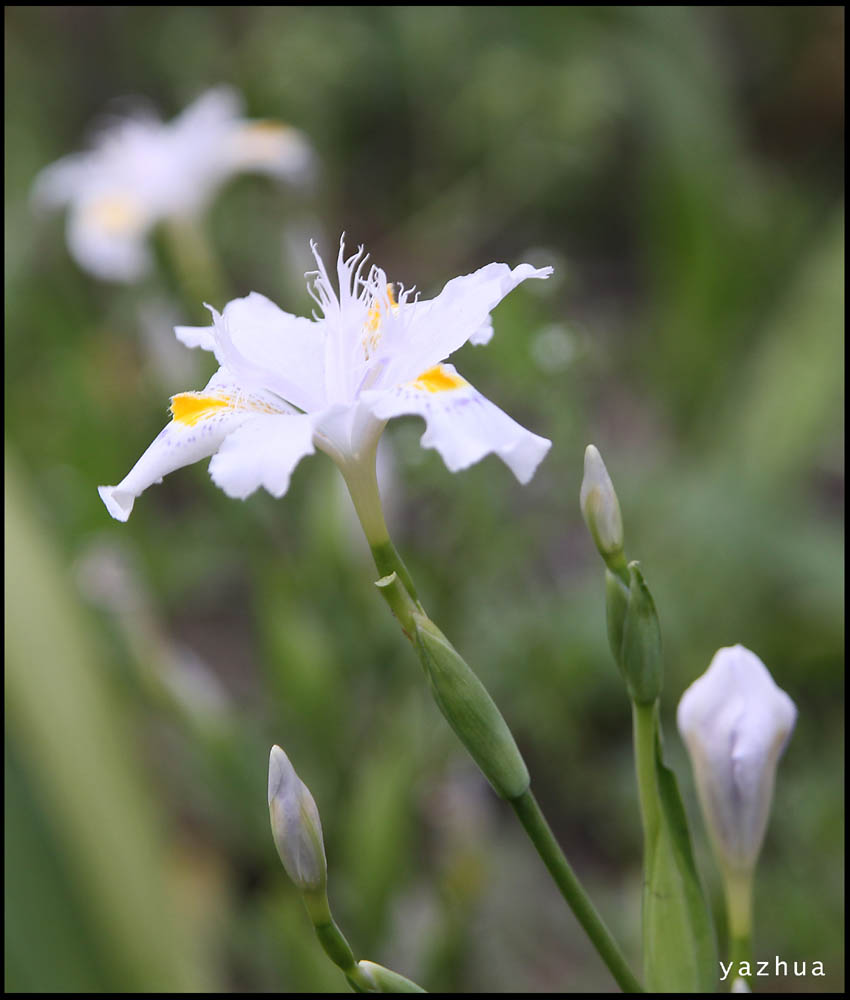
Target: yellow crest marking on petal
191,407
438,379
116,213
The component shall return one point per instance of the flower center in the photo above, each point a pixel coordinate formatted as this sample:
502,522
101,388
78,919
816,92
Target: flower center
372,327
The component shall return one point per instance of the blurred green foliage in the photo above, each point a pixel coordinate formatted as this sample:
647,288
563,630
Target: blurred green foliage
682,168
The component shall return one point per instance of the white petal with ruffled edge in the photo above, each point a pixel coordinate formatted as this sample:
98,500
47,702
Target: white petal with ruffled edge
201,422
461,424
263,452
263,346
197,336
461,312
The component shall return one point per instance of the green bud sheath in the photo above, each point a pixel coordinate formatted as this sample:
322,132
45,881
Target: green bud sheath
641,648
470,711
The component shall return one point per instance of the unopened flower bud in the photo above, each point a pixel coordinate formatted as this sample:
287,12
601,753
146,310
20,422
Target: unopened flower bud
385,980
735,722
470,711
296,827
600,507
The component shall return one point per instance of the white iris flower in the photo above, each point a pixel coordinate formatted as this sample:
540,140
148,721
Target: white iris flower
142,170
288,385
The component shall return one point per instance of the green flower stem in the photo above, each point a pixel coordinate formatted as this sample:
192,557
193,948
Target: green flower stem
534,822
739,910
644,723
361,478
333,941
471,712
643,735
388,561
740,950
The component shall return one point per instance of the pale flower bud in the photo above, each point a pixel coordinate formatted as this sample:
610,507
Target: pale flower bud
735,722
385,980
600,507
296,827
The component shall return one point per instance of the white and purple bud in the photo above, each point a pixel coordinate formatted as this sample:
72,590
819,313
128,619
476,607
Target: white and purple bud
735,722
600,507
296,827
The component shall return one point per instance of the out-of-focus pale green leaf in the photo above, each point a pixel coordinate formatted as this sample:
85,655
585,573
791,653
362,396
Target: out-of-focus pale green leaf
680,954
779,417
375,850
75,742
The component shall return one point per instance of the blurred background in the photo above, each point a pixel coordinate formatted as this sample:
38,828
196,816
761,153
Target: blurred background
682,169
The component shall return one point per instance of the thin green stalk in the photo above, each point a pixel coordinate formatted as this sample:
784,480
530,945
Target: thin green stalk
540,833
361,478
739,911
643,718
740,951
333,941
398,589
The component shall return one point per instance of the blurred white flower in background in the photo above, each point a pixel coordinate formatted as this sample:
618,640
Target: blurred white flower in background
141,170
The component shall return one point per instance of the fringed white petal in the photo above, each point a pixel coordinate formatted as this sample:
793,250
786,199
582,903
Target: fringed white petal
201,422
263,452
196,336
264,346
484,333
461,312
461,424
